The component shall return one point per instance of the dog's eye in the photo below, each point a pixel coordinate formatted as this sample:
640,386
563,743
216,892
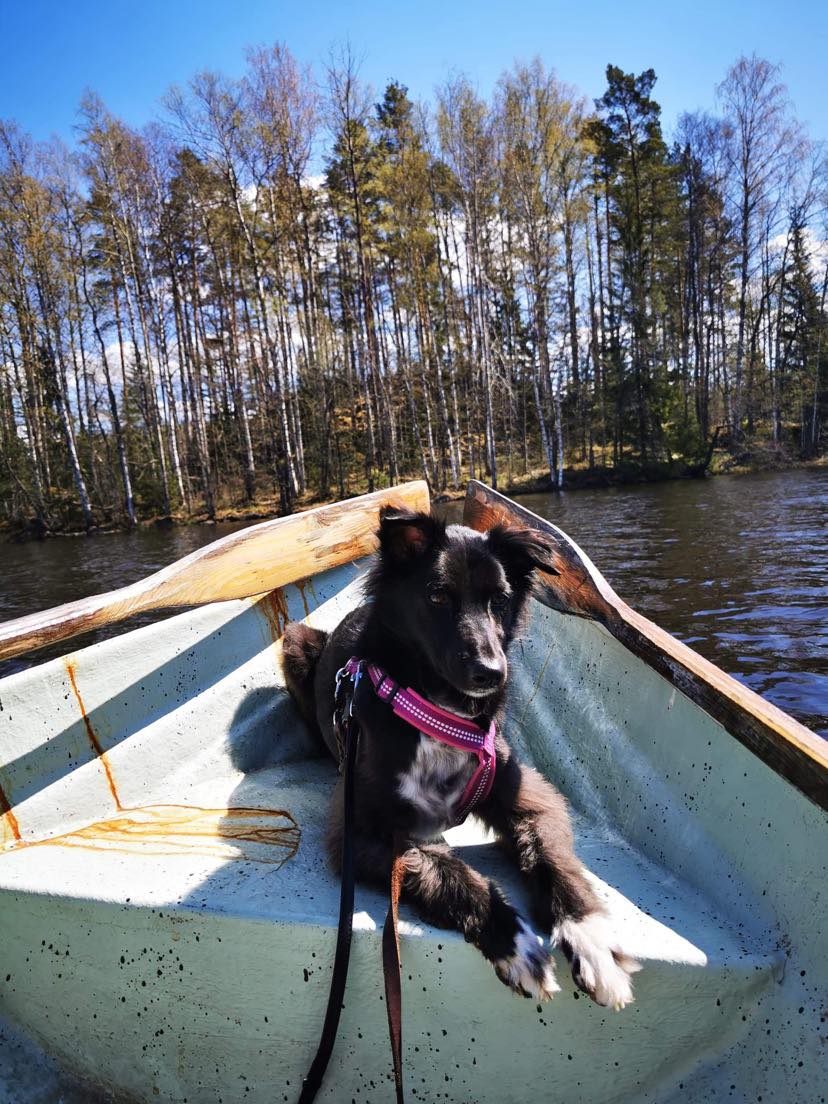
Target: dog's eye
438,597
499,603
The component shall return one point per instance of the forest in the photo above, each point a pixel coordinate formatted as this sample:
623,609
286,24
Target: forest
291,288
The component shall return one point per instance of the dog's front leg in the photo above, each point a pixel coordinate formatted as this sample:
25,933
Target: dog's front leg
530,815
449,894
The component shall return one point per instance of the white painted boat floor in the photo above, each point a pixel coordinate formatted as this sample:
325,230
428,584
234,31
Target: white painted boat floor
661,919
694,957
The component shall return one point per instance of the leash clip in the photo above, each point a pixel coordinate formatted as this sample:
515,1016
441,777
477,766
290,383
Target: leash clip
355,677
339,691
344,706
340,675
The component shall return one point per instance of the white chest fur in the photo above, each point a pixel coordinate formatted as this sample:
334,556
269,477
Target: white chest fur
435,781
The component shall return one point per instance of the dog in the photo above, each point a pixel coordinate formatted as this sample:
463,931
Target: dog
443,604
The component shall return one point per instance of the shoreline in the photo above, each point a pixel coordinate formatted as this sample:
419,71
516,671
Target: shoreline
534,482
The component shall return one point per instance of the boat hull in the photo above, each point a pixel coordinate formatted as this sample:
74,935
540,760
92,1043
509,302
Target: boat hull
186,956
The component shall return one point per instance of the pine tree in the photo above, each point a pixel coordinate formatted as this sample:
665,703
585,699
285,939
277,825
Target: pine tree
641,196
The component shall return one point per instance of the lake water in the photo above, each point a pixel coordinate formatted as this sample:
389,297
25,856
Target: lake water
736,566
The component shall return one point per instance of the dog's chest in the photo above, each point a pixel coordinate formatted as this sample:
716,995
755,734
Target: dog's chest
435,782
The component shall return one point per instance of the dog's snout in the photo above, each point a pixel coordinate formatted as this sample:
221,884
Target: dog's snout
487,674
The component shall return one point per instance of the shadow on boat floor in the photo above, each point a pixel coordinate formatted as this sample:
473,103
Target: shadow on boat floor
28,1076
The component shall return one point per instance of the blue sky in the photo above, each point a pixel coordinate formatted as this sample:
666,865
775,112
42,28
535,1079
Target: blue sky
131,52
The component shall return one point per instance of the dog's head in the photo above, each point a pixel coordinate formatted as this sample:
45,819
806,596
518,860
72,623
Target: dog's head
456,595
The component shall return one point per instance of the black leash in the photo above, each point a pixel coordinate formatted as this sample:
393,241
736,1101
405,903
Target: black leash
346,728
347,732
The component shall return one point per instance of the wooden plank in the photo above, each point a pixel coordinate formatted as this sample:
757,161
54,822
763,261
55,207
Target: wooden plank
250,562
785,745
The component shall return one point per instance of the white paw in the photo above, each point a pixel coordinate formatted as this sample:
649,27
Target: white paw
599,965
530,969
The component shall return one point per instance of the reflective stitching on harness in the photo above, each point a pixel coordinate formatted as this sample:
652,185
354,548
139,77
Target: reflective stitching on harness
422,715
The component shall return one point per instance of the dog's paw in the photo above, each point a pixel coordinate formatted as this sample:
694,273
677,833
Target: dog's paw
599,966
529,969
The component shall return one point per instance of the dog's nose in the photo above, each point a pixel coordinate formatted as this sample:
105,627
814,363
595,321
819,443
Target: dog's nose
485,675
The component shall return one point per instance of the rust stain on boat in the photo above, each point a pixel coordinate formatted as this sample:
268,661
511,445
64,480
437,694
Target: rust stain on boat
300,586
92,735
275,610
238,832
9,828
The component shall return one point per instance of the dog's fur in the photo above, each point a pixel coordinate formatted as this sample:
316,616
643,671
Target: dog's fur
443,605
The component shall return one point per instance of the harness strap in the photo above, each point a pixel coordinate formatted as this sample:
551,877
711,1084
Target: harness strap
438,723
391,964
313,1081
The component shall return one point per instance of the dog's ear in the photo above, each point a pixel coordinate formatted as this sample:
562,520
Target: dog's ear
405,536
522,550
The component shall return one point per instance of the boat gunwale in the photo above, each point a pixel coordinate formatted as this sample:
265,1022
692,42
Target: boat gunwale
788,747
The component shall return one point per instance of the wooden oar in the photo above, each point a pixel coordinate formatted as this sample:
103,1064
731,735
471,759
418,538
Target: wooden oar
249,562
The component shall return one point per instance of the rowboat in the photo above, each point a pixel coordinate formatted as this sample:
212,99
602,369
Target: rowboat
167,919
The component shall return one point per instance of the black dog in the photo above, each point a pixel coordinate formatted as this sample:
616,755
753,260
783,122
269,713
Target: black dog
443,605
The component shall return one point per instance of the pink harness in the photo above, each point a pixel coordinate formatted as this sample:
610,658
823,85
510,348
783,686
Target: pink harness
431,720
